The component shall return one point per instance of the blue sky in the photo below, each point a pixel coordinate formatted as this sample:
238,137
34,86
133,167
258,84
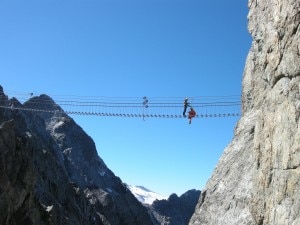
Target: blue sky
133,48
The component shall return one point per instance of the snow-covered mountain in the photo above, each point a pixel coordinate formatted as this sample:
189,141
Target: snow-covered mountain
144,195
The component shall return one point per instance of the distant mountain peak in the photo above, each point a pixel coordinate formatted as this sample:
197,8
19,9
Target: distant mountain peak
43,102
144,195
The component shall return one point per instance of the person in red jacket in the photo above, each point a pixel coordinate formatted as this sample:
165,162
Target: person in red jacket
192,114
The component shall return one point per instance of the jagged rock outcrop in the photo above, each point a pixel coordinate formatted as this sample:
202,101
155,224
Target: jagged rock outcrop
257,179
175,210
50,172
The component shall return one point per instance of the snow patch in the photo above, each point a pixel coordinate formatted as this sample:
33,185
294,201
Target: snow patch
67,151
144,195
49,208
109,190
58,124
102,174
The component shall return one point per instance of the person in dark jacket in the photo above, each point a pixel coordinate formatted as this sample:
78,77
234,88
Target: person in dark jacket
185,105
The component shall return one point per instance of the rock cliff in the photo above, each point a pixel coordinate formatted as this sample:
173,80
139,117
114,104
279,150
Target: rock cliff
257,179
50,172
175,210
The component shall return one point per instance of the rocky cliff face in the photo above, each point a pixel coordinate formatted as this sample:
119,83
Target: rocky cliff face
50,172
257,179
175,210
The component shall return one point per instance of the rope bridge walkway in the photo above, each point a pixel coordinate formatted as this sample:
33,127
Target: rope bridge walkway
144,107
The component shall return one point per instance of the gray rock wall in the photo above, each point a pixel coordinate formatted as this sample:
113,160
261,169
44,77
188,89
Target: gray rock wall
50,172
257,179
175,210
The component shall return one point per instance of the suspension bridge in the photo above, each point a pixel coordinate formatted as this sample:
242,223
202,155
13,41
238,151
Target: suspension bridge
144,107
